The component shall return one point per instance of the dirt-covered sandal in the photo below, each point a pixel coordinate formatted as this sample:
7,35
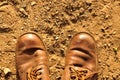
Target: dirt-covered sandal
31,58
80,60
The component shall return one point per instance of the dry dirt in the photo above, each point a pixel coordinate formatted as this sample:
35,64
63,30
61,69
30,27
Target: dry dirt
56,21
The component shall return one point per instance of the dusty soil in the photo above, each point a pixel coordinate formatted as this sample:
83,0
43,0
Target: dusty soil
56,21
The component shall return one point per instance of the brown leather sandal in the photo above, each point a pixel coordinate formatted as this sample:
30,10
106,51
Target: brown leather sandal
80,60
31,58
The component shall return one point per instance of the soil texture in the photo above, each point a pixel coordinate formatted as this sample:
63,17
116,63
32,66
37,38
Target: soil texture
56,21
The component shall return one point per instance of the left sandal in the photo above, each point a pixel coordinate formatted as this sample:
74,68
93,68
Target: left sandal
31,58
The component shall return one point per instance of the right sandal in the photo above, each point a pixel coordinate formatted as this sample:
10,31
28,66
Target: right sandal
80,60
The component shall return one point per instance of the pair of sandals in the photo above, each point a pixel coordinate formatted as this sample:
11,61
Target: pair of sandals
32,59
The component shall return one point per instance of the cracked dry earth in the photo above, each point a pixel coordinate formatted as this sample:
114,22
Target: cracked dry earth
56,21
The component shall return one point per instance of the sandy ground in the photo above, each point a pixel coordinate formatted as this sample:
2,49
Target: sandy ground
56,21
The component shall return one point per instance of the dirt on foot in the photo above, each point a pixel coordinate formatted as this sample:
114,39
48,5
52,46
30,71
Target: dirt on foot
56,21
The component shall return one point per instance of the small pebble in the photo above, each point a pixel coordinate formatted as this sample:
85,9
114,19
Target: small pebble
103,64
109,45
114,33
69,36
36,18
89,1
99,60
115,49
6,70
33,3
22,10
105,45
56,38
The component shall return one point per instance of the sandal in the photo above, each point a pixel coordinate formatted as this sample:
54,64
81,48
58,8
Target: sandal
80,60
31,58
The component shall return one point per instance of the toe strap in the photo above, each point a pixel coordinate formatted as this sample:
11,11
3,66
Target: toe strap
77,73
39,72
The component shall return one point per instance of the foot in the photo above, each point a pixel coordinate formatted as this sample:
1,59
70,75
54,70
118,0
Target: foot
80,60
31,58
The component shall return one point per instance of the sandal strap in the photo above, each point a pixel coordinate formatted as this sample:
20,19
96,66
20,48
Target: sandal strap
82,74
36,72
